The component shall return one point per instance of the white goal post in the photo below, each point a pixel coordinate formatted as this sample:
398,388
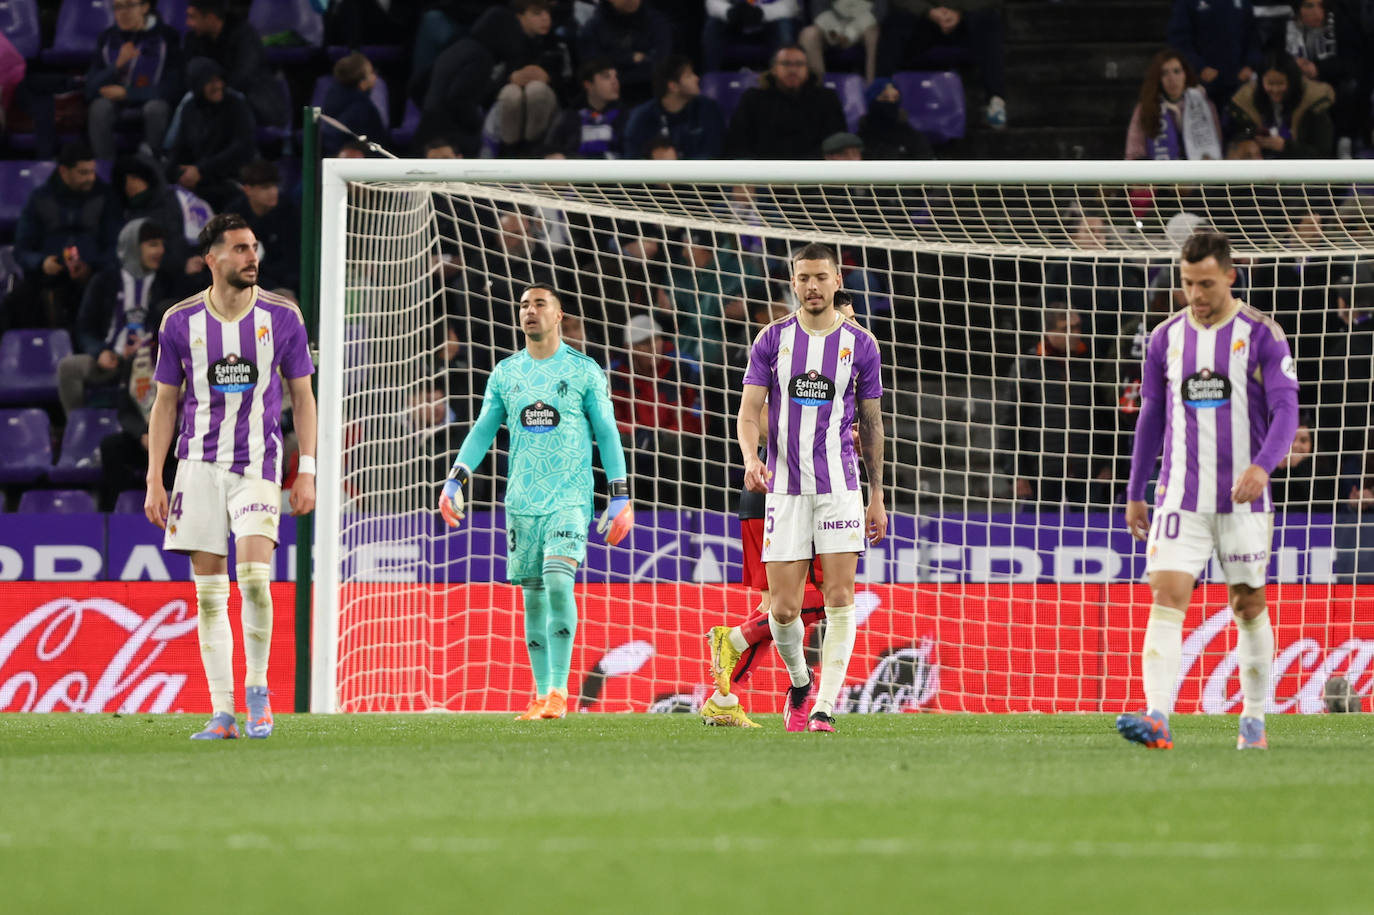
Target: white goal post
1002,589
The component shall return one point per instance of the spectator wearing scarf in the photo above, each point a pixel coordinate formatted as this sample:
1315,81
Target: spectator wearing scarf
1174,119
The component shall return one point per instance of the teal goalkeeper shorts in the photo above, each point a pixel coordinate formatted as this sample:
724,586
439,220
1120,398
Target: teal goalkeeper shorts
530,539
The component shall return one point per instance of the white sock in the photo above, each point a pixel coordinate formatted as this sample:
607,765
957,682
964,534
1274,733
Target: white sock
737,640
836,648
1161,656
255,587
725,701
1255,652
788,640
216,639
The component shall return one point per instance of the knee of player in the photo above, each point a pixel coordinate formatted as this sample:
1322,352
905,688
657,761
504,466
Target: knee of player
784,611
838,594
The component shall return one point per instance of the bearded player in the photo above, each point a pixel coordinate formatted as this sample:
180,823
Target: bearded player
1220,393
734,649
231,346
818,372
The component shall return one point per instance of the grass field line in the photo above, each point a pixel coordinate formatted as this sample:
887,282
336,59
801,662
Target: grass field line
875,846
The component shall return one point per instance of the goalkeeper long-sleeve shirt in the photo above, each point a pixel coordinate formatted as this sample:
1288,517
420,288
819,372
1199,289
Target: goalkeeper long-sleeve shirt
553,408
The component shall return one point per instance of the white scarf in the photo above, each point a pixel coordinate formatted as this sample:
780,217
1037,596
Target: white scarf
1200,129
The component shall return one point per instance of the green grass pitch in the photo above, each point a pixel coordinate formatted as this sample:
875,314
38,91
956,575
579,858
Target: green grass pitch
656,813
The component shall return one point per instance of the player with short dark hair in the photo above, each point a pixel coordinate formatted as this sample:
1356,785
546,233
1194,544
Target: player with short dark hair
553,400
819,372
230,346
1220,393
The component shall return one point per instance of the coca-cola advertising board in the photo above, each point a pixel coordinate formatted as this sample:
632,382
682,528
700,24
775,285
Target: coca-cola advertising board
927,647
122,647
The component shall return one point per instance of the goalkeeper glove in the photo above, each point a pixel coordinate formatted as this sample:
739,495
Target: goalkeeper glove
619,516
453,503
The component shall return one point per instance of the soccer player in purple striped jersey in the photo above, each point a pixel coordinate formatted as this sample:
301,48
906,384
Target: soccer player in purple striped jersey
229,348
818,372
1220,393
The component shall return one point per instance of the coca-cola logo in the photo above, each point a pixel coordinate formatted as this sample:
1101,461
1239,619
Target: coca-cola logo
1304,658
45,657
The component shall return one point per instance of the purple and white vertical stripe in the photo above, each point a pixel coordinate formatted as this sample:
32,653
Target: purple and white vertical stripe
1208,447
810,448
239,430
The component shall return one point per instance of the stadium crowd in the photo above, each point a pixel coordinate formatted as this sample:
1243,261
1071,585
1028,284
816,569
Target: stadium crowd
131,135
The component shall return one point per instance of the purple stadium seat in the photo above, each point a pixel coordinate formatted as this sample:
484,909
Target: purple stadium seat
18,178
79,24
25,445
380,95
850,88
934,101
173,13
79,460
727,86
273,17
57,502
19,22
130,502
28,364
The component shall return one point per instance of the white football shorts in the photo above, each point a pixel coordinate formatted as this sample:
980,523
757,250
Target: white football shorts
1183,541
207,502
798,527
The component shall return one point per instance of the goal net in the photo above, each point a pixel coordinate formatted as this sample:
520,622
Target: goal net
1011,302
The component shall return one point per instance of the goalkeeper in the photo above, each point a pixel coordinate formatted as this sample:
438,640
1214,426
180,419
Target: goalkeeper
553,399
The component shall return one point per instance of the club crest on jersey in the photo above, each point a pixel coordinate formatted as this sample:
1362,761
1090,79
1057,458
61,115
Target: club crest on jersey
811,389
264,334
540,417
1237,348
846,354
1206,390
562,389
232,374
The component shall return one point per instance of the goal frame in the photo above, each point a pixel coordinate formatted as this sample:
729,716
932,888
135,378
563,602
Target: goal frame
336,174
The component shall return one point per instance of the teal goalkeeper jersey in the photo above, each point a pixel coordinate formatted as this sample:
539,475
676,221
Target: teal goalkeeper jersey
553,407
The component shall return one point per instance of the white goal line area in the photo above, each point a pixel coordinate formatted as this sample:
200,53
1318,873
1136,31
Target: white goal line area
959,269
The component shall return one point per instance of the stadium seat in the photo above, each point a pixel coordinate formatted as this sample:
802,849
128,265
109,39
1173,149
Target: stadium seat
380,95
173,13
25,445
19,22
28,364
79,460
79,24
934,101
276,17
57,502
18,178
130,502
850,88
726,87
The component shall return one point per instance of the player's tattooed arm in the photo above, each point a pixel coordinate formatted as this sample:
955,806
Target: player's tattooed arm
871,438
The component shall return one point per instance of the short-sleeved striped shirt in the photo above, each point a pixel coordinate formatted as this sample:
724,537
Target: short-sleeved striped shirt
231,415
1214,383
814,382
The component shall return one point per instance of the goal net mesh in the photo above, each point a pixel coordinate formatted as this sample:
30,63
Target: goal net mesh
1012,321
